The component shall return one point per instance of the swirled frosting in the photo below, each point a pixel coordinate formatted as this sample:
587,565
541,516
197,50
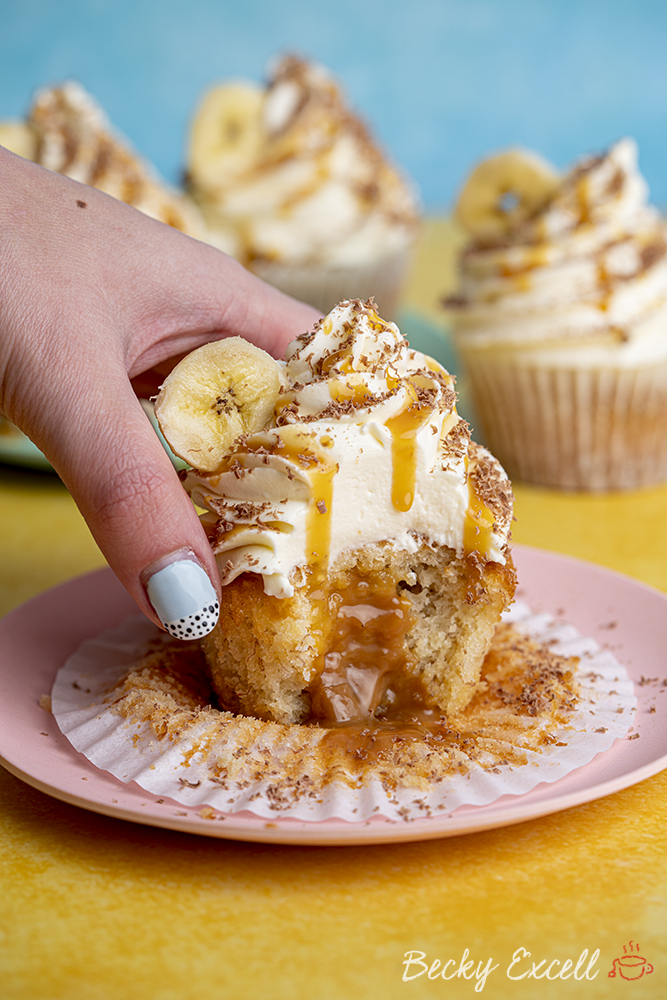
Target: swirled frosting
367,447
587,274
318,189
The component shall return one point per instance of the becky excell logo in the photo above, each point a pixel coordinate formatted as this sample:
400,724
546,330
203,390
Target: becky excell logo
631,965
522,966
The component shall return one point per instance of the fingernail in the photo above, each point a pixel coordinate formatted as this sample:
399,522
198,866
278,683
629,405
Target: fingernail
184,599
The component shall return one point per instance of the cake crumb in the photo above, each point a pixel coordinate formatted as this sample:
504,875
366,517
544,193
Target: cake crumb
45,703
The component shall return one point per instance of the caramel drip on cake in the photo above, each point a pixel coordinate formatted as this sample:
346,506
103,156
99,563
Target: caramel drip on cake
479,521
318,518
404,428
310,453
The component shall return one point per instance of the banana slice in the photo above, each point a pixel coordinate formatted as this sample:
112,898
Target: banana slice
19,138
226,133
504,191
218,392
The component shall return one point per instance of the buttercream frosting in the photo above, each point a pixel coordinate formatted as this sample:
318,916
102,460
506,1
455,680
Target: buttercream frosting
587,275
366,447
318,189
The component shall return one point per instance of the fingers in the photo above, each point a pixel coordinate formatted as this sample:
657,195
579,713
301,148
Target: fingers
91,291
199,294
143,521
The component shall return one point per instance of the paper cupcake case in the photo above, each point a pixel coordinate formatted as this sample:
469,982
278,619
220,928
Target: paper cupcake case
263,782
598,430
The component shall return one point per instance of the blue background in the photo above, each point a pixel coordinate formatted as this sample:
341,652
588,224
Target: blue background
441,81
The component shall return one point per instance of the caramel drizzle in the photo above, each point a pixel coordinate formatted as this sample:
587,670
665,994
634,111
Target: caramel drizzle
479,521
404,428
310,453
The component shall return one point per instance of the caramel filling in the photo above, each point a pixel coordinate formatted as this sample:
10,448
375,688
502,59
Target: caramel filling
364,669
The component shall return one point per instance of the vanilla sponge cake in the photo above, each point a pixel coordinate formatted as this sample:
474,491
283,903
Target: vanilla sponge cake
362,538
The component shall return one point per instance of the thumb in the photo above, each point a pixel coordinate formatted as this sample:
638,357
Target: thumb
143,521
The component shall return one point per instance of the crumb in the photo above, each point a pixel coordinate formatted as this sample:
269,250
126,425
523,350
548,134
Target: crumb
207,813
635,736
45,703
81,204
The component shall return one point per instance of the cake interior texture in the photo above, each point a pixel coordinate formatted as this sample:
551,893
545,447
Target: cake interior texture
386,632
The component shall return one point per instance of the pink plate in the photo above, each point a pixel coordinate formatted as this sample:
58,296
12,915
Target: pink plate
627,617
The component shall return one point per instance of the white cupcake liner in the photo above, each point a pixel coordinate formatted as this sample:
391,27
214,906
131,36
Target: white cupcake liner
576,429
179,769
324,286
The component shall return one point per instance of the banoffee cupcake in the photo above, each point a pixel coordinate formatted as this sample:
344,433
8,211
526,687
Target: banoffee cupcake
561,319
362,538
68,132
292,185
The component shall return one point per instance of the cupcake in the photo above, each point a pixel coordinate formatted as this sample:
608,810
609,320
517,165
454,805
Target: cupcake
561,319
361,537
67,131
292,185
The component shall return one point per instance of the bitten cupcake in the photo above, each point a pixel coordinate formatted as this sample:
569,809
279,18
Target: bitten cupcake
362,538
292,185
561,319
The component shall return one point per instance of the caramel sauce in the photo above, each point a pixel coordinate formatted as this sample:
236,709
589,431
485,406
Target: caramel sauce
605,286
404,428
534,257
364,661
582,195
310,453
359,393
365,742
479,521
341,358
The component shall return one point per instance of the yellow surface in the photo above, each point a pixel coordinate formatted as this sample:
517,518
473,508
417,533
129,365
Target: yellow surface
98,909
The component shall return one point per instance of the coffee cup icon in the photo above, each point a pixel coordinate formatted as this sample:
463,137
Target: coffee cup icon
631,967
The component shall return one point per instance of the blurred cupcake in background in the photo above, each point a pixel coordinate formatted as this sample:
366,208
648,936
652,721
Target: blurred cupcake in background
561,319
292,185
68,132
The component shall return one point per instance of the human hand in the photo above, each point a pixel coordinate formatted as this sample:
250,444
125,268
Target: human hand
92,295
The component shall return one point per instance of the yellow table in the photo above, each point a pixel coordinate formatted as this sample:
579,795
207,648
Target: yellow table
97,909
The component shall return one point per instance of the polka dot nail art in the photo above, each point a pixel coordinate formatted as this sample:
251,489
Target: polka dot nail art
195,626
184,599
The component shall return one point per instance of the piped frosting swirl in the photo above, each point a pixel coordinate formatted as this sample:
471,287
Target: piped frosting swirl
367,447
586,273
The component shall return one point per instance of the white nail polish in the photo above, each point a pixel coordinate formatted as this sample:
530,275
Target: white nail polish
184,599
